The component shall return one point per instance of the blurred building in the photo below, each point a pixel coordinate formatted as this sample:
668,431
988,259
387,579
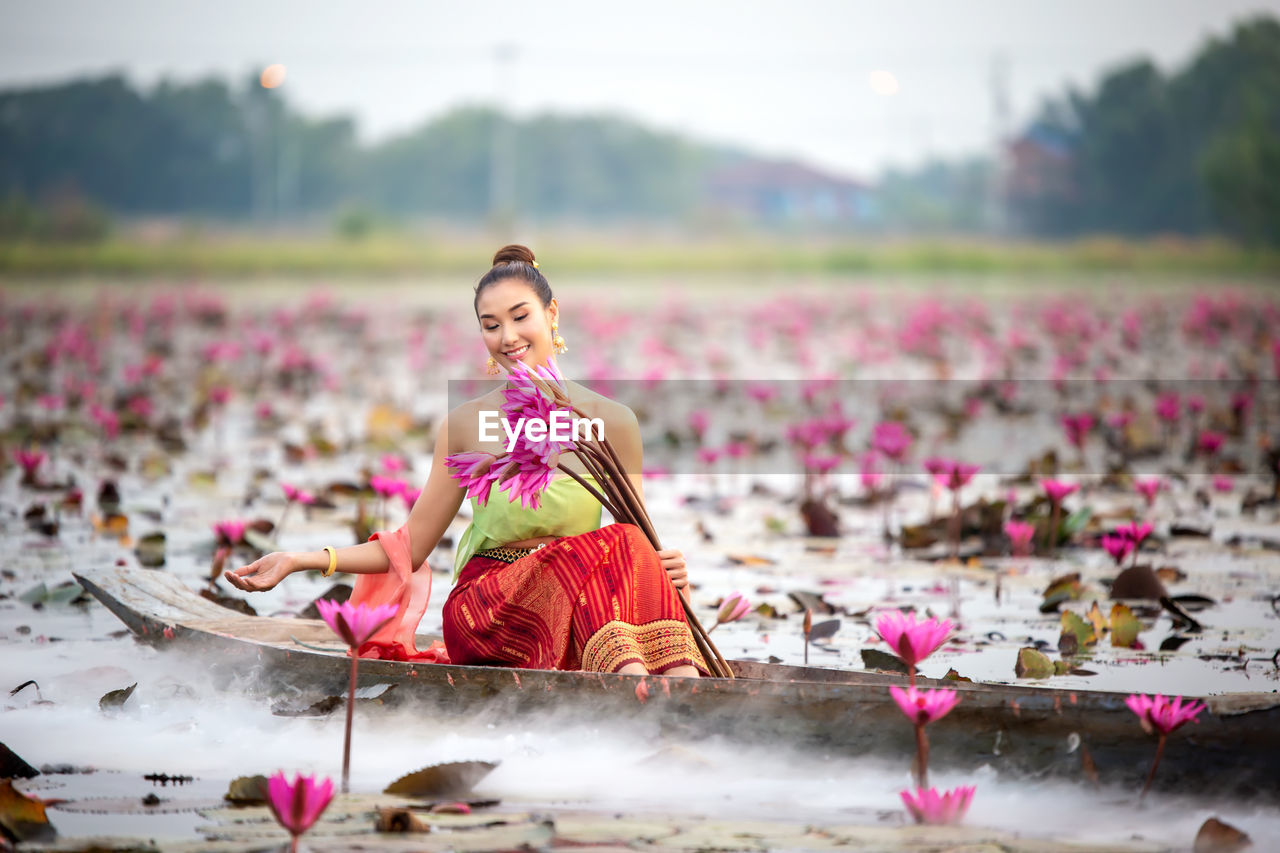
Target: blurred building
785,193
1039,177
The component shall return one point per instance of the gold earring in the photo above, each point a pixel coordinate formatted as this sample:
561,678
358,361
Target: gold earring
557,342
491,367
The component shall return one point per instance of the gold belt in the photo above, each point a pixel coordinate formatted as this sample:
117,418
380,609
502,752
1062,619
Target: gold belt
507,555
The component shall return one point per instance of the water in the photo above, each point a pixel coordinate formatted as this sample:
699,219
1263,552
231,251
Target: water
178,723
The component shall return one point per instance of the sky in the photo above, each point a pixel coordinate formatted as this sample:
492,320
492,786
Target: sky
850,86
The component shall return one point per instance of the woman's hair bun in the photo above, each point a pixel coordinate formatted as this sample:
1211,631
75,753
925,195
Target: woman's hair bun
513,252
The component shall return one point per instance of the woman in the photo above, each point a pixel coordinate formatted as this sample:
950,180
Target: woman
543,589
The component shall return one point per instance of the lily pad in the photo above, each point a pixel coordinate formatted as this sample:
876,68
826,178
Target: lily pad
247,790
23,818
876,659
1032,664
1083,631
116,698
1124,626
150,550
451,779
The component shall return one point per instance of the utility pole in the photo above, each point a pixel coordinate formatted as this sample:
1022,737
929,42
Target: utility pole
1001,123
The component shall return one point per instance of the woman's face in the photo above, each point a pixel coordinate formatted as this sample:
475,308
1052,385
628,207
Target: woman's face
514,324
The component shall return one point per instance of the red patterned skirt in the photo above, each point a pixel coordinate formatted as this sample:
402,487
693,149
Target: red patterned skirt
596,601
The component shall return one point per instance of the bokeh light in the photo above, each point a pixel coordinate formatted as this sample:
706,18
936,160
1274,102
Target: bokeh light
272,76
883,82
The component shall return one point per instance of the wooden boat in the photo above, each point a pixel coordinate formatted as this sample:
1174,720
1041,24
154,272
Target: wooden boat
1025,731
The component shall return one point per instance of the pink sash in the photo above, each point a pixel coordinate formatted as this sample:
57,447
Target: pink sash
404,587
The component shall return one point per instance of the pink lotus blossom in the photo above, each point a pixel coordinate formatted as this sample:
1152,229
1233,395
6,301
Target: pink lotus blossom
1135,531
1162,714
924,706
230,531
392,463
1195,404
219,394
410,496
1120,420
29,460
1057,490
1148,489
1241,403
1020,534
912,641
472,470
821,463
1209,442
386,487
354,623
869,473
293,493
1077,427
1117,546
298,806
733,608
1169,407
698,422
708,455
929,806
952,474
1223,483
892,439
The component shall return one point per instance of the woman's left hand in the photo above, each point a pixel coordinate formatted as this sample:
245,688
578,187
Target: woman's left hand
674,564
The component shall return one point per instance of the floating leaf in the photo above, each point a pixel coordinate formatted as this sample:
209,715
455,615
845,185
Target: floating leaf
1032,664
21,817
114,524
1074,523
116,698
247,790
1172,643
1095,618
1084,632
12,766
339,593
150,550
769,611
451,779
1124,626
824,630
876,659
812,601
1193,603
1171,574
1218,837
952,675
1068,644
40,595
1061,667
1137,582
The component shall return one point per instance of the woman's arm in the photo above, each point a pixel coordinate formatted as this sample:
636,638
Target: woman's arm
432,512
626,441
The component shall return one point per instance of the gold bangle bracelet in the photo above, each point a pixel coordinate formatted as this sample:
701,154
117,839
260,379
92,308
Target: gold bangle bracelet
333,560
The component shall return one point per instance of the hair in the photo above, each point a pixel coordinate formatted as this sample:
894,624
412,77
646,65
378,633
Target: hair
515,261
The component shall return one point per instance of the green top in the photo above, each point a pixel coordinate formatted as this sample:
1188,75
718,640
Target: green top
566,509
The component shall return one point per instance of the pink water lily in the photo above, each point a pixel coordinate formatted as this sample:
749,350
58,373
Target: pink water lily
293,493
1135,532
1117,546
1223,483
1169,407
354,623
950,473
1057,490
474,472
386,487
1148,489
1020,534
29,460
1077,427
1209,442
927,805
298,805
912,641
892,439
1161,714
230,531
924,706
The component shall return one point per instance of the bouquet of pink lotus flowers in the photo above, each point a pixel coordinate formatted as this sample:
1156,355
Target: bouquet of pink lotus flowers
526,470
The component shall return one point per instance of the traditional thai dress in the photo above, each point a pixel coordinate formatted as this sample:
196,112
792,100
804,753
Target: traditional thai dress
597,598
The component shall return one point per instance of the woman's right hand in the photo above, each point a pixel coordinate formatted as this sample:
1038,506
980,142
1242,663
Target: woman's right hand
263,573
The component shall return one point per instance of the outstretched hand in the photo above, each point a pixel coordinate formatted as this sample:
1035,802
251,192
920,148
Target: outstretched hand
263,573
675,566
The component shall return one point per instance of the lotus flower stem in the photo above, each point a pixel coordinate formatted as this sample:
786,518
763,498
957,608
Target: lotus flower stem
921,766
1051,535
1154,764
351,705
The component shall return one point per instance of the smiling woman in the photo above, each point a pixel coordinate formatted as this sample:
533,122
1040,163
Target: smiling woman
539,586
